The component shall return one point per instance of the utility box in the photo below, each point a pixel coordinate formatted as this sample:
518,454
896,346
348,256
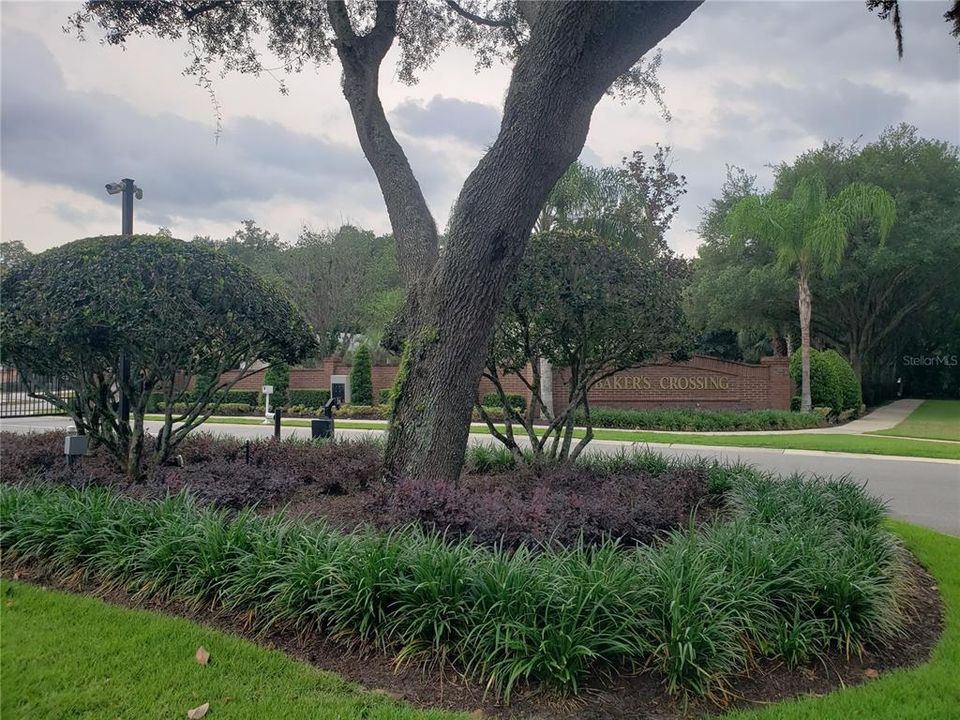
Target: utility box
321,428
74,446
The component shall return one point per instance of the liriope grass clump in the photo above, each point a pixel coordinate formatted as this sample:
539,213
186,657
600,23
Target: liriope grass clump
792,567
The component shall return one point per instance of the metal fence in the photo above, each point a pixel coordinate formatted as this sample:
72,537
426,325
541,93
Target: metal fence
16,400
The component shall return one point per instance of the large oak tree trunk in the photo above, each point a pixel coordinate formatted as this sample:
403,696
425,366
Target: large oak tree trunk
575,52
805,303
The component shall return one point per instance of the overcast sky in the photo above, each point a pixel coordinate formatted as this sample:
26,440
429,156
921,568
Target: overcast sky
747,84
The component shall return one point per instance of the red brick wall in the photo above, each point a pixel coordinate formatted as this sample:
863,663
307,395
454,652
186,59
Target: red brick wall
318,378
701,382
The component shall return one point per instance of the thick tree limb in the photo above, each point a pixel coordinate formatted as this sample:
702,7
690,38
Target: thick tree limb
410,218
574,53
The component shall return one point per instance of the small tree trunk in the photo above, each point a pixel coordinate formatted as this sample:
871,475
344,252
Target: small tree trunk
135,452
789,339
546,389
805,304
588,436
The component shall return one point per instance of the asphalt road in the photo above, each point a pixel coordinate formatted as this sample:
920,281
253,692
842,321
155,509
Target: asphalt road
921,491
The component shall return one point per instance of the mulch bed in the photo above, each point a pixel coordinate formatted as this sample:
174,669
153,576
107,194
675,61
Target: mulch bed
638,696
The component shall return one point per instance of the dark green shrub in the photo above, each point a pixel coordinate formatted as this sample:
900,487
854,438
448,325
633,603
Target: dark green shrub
825,384
699,420
308,398
496,414
172,308
384,396
846,378
278,375
492,399
250,397
795,403
361,378
222,409
235,409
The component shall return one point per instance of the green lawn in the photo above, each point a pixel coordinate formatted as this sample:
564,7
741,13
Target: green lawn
69,657
866,444
65,656
934,420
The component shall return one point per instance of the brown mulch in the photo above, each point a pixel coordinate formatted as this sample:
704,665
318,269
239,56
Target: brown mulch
634,696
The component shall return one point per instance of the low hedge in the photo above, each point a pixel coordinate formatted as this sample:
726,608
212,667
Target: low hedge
799,566
518,402
232,397
308,398
223,409
700,420
245,397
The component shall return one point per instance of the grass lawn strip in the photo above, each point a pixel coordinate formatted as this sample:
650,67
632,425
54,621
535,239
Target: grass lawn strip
933,420
66,656
70,657
929,692
862,444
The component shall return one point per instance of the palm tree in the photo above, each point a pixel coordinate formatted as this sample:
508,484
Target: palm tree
808,232
593,200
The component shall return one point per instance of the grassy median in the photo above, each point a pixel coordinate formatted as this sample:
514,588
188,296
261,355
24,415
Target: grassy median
933,420
862,444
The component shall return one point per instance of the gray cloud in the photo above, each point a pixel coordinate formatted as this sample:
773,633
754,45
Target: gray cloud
69,213
471,123
782,73
832,38
80,140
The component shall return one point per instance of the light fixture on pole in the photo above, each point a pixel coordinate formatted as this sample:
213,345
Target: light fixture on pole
129,190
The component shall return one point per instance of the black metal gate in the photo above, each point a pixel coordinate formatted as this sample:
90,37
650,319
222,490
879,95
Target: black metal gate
15,398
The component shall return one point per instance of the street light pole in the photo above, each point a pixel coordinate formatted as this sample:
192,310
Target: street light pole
127,222
129,190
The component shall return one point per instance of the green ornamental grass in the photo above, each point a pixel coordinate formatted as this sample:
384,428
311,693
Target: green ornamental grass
794,567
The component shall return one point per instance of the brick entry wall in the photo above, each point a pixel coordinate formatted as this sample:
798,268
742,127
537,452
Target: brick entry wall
318,378
701,382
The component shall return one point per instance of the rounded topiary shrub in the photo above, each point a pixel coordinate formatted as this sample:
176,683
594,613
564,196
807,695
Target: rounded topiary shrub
846,379
825,388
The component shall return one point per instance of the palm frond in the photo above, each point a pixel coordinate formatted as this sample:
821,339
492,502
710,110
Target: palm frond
858,202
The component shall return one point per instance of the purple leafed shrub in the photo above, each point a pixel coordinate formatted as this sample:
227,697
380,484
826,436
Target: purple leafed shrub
214,468
557,504
553,503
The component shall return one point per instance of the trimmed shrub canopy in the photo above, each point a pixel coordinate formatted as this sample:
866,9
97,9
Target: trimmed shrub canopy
833,383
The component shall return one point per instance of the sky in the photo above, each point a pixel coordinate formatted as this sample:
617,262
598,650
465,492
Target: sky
747,83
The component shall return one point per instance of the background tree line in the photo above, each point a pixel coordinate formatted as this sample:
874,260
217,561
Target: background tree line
886,300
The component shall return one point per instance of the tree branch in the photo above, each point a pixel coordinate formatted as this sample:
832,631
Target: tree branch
488,22
191,13
410,218
474,18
